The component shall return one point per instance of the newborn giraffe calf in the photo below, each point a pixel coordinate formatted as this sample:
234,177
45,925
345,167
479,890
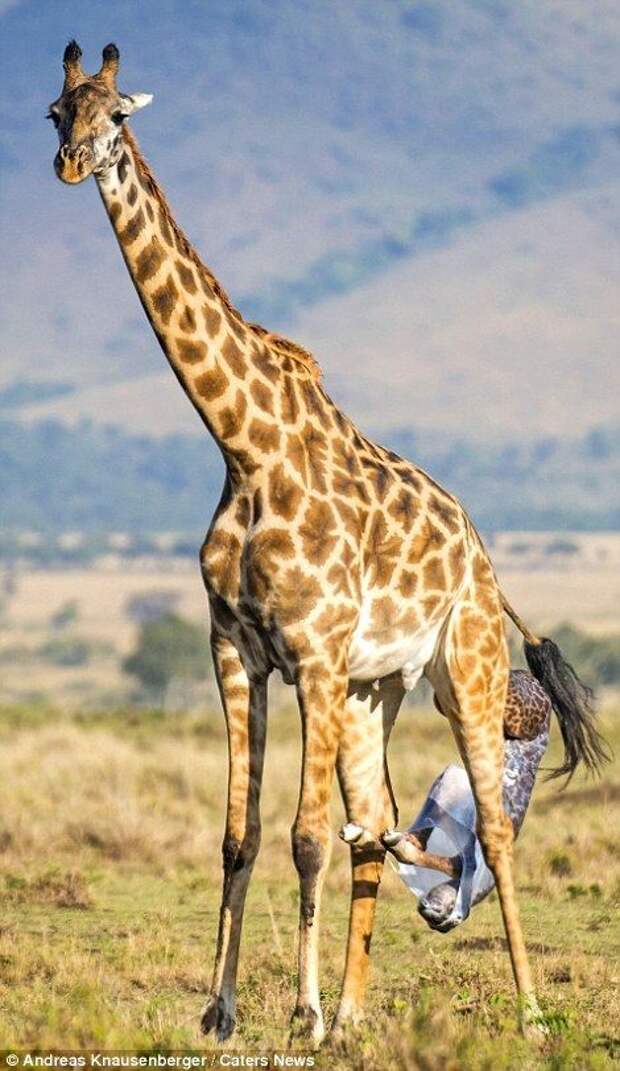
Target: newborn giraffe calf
526,717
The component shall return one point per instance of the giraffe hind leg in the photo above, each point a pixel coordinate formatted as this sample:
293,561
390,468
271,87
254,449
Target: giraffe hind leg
470,676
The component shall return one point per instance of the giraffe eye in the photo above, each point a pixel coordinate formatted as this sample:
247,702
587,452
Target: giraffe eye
118,118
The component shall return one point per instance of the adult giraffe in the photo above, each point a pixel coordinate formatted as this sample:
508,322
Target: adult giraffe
330,559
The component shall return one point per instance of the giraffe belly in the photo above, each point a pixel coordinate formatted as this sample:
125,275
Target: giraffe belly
372,657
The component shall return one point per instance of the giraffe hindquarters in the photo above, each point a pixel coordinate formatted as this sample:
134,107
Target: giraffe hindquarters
469,673
369,805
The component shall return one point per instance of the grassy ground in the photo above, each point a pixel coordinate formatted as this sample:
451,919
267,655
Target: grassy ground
110,870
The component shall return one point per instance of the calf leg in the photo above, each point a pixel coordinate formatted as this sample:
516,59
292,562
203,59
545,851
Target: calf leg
370,808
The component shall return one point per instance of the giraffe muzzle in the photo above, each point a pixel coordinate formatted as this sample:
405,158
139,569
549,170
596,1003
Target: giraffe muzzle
74,164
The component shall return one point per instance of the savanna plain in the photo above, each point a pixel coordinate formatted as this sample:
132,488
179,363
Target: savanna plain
110,829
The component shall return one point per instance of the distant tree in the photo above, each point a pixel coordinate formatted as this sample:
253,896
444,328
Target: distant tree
152,605
66,614
168,650
562,546
596,658
598,444
66,651
9,582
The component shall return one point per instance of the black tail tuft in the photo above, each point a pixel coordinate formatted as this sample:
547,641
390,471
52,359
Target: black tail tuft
573,703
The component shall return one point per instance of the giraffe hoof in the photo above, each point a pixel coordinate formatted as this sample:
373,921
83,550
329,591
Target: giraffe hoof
217,1017
351,833
401,848
359,837
532,1022
307,1025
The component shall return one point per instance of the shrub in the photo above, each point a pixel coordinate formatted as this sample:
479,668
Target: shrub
67,614
152,605
69,651
168,649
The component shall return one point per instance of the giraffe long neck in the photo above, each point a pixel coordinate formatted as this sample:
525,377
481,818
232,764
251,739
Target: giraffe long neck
226,369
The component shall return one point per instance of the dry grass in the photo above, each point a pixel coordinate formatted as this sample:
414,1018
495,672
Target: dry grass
110,829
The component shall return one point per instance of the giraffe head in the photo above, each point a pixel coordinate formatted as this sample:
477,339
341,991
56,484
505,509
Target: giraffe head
89,116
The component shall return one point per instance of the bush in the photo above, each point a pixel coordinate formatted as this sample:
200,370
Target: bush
65,615
168,649
152,605
66,652
595,658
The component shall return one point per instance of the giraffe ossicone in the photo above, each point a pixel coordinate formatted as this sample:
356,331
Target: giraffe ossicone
330,559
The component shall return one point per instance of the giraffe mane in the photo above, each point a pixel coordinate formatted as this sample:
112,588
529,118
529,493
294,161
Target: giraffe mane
278,344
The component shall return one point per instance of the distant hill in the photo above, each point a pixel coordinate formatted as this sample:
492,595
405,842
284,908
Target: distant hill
96,479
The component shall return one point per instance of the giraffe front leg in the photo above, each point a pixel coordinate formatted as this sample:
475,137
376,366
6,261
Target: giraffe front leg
245,708
321,695
370,808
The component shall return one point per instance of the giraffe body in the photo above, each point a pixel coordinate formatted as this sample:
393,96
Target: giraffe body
329,558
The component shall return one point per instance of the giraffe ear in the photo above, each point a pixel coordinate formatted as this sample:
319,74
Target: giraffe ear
133,101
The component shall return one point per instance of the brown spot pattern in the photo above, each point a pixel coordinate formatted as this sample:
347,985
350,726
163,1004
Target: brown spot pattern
133,229
318,531
164,227
383,551
298,596
265,554
186,277
123,167
528,707
289,402
191,352
434,575
213,320
284,493
232,417
265,437
262,395
211,384
150,260
187,321
165,299
233,357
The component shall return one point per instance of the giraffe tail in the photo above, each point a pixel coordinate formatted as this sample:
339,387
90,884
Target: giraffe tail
572,700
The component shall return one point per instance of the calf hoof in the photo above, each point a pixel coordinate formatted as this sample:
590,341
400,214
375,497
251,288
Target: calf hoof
307,1025
437,907
391,838
216,1017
